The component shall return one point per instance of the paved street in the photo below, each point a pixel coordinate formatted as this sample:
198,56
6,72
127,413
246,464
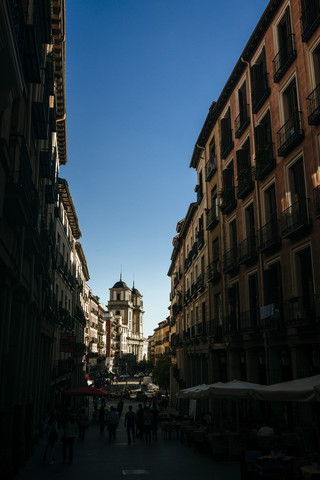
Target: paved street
96,457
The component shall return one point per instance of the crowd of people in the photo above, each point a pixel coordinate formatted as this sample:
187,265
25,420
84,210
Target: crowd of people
142,424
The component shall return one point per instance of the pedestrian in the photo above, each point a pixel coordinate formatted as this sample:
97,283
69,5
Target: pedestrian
102,419
130,423
70,433
155,419
147,424
120,407
83,422
113,422
52,429
139,421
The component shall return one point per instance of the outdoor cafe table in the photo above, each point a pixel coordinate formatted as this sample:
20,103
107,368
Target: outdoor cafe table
310,472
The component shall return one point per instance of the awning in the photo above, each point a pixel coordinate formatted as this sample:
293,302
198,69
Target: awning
300,390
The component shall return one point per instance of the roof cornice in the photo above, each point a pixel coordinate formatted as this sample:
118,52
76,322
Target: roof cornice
67,201
83,261
59,40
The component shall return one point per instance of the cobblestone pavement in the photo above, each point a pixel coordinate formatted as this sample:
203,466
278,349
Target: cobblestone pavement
96,457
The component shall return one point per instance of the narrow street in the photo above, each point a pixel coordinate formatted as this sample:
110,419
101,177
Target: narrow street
97,457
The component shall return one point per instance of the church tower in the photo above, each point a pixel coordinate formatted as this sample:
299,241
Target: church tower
126,304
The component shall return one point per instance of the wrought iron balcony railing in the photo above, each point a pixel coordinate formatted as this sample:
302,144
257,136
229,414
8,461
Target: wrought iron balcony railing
313,105
229,201
295,217
265,161
310,18
226,144
300,311
290,134
245,182
268,236
284,58
248,249
211,168
212,218
230,261
249,321
213,271
242,121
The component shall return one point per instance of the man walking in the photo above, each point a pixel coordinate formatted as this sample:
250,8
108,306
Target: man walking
130,423
113,421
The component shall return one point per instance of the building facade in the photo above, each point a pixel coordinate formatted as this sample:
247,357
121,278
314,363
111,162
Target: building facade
258,153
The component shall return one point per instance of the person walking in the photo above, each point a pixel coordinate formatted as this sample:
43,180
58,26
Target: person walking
120,407
70,433
83,422
155,419
139,421
51,428
113,422
130,423
102,419
147,424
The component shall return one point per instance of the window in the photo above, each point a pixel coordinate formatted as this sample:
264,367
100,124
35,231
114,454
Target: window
265,159
253,291
313,100
243,119
226,135
228,192
249,221
211,165
291,133
260,89
245,182
118,296
286,47
304,277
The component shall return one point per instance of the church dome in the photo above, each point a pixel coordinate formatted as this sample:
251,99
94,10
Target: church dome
120,284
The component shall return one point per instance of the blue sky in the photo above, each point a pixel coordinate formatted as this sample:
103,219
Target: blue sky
141,76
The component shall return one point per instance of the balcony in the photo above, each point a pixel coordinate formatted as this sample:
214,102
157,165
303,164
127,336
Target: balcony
40,119
310,18
200,285
290,134
245,182
45,164
295,218
212,218
217,333
213,271
211,168
270,318
226,144
284,58
260,93
31,55
300,311
248,250
230,261
265,161
313,106
19,195
231,326
229,201
248,322
242,121
268,236
50,194
316,201
200,240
